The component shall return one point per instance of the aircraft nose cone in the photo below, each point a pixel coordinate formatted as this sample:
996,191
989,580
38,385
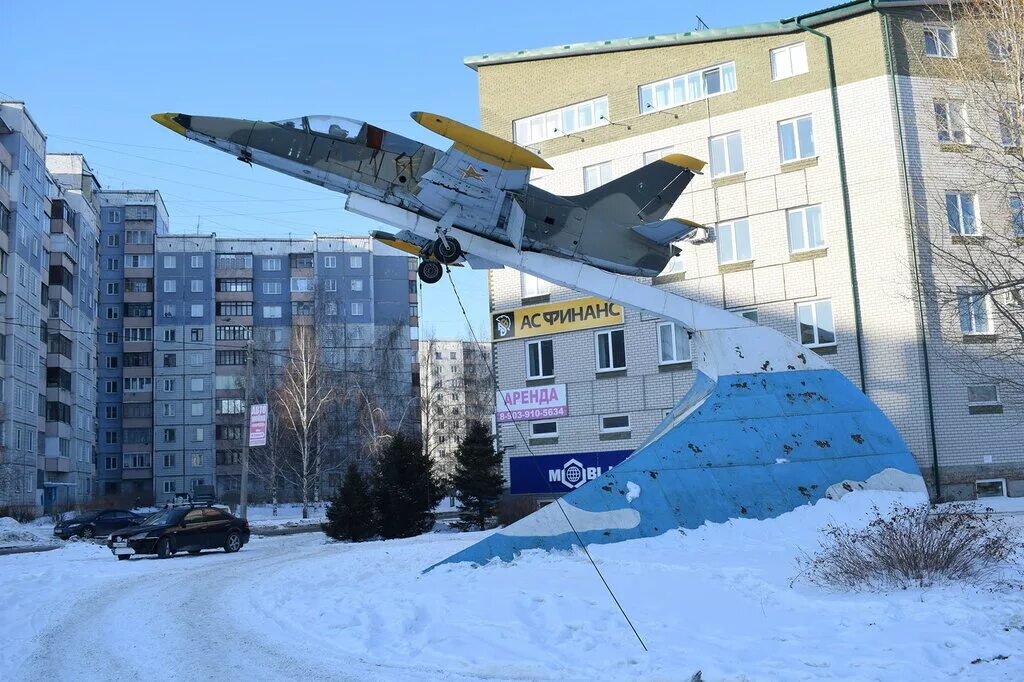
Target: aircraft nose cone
179,123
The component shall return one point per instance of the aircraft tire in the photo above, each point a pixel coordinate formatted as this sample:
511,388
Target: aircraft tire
430,271
447,253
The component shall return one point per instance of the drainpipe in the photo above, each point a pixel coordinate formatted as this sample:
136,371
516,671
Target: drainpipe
845,192
923,330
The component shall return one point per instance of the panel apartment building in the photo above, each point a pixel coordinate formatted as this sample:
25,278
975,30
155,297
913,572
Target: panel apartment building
177,315
48,263
830,174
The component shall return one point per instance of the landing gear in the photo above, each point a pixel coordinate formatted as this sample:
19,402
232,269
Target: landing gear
447,250
430,271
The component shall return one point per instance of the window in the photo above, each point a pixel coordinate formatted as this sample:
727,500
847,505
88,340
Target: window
197,285
673,344
302,307
302,284
168,385
301,261
169,461
951,122
983,394
614,423
111,411
815,325
112,313
113,264
733,242
234,285
356,284
961,213
110,437
998,47
198,434
331,308
272,311
170,335
991,487
230,357
197,460
656,155
113,239
138,261
272,288
234,261
138,334
230,406
357,309
197,261
330,261
170,286
558,122
611,350
138,383
170,360
196,334
197,310
596,175
940,41
234,308
726,154
749,314
1017,215
532,286
110,462
355,262
689,87
540,359
110,387
195,359
196,385
543,429
330,285
796,139
169,486
805,228
271,264
975,317
233,332
1009,125
790,60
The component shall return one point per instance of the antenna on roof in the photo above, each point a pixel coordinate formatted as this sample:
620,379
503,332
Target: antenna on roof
701,24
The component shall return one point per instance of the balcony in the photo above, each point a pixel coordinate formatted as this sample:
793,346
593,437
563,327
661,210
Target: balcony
57,465
135,474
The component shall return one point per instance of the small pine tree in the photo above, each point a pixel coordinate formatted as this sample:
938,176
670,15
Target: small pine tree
405,489
478,480
350,515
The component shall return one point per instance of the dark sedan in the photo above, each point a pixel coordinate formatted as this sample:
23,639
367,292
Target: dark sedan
99,523
181,529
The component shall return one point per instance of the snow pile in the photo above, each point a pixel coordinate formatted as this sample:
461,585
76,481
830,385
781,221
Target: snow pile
288,515
14,534
721,599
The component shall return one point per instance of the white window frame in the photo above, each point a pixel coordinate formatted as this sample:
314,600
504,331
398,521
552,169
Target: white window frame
960,213
787,52
969,298
330,261
612,367
196,286
539,344
170,286
731,229
271,265
355,262
801,153
273,288
197,261
727,140
272,312
549,434
614,429
804,228
531,286
656,154
596,175
978,403
1000,481
679,90
197,384
675,330
813,307
548,125
935,30
357,308
951,121
196,310
356,284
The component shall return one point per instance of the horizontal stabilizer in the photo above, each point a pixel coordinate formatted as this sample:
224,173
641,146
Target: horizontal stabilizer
665,232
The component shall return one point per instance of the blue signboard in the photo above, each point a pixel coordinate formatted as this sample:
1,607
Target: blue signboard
559,474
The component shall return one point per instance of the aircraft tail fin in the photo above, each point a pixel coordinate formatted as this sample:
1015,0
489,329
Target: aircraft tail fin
646,194
665,232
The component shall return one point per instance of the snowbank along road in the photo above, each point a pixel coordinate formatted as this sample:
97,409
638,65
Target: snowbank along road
721,599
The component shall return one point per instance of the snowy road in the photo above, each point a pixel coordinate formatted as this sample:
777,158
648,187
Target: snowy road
721,598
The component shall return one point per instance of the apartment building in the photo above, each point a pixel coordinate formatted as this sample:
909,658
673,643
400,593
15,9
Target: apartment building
179,314
830,178
456,388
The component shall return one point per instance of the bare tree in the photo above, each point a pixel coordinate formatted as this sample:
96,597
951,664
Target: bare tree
971,261
266,463
304,399
10,473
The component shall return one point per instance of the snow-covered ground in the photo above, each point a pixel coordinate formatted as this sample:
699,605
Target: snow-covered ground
721,599
262,515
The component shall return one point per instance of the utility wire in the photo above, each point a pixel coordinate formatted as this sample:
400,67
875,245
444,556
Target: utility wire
558,500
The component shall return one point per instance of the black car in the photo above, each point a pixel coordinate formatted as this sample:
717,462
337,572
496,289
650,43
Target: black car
99,523
181,529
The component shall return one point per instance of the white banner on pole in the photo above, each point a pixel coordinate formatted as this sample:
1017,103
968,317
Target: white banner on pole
258,425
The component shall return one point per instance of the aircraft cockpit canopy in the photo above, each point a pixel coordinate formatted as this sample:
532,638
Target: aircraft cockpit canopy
333,126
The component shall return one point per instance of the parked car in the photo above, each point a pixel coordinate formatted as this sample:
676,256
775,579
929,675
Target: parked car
189,528
99,523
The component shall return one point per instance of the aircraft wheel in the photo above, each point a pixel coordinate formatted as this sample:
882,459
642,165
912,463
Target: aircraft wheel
447,253
430,271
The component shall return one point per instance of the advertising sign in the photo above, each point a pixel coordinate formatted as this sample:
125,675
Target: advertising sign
526,404
560,473
257,425
554,318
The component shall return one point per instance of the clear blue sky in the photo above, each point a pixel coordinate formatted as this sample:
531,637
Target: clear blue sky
91,74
